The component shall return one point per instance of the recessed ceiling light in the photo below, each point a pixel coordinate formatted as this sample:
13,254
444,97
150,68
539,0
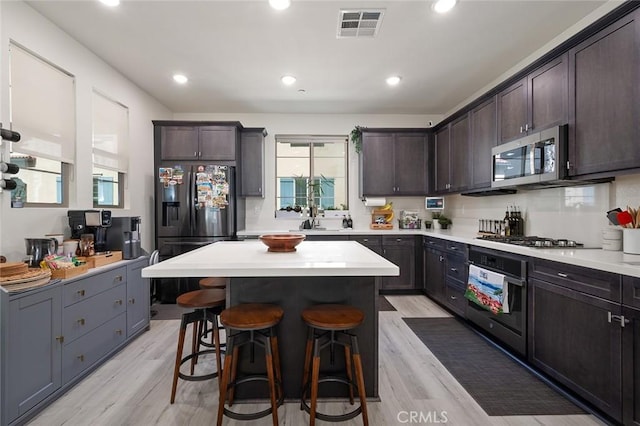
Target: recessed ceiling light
288,80
302,91
280,4
443,6
180,79
394,80
111,3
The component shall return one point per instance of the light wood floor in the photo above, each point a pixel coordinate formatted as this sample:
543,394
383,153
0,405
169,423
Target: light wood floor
133,387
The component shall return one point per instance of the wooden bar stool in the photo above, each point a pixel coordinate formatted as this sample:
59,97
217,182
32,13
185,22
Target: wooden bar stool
210,283
253,324
213,282
328,326
207,305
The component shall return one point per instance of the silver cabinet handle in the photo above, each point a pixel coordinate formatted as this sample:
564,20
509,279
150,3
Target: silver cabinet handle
454,297
454,269
260,190
80,292
526,127
132,301
118,302
563,275
441,258
195,154
620,318
119,332
453,248
521,129
118,278
81,358
80,321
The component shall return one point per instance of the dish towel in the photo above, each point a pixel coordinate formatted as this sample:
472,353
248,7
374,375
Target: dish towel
488,289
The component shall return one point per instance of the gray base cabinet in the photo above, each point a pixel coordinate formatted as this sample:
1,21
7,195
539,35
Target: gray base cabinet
54,335
34,351
631,351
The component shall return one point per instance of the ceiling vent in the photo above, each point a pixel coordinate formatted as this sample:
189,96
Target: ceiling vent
359,23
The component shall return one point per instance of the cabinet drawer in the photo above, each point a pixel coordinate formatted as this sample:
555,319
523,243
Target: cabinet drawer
433,242
85,351
367,240
589,281
457,269
82,317
455,247
454,293
631,291
398,240
90,286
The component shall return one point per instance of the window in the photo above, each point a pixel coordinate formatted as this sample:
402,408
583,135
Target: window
311,170
42,106
110,151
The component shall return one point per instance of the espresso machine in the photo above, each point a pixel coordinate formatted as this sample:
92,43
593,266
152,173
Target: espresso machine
124,235
95,222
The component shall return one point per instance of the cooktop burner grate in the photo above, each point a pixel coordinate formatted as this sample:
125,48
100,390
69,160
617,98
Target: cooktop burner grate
533,241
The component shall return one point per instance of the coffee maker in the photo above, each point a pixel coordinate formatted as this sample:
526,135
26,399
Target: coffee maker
94,222
124,235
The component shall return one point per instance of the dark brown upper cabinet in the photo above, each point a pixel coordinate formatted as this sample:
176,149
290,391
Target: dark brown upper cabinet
394,162
484,136
452,168
209,143
536,102
441,159
604,124
252,162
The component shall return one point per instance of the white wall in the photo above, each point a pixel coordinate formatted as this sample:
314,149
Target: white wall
260,211
22,24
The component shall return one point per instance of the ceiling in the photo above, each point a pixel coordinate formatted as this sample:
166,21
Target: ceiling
234,52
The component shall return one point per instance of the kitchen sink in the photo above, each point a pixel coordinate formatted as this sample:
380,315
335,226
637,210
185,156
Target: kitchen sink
318,230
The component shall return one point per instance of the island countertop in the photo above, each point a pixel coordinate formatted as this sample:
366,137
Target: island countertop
251,259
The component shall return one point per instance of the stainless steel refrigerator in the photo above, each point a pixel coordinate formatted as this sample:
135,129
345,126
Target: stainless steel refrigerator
196,205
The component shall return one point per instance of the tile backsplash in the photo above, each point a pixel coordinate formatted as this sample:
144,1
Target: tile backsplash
577,213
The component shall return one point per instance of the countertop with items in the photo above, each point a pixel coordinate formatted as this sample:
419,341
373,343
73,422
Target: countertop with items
605,260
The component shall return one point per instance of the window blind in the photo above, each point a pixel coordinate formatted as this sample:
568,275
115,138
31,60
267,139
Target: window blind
110,134
42,106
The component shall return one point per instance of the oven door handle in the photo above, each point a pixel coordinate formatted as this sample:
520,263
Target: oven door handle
510,280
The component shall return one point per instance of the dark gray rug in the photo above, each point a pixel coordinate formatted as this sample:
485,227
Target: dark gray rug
384,305
500,385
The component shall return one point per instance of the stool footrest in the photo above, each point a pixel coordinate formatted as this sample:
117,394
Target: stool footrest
332,417
194,378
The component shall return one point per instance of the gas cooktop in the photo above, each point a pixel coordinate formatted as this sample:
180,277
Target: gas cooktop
533,241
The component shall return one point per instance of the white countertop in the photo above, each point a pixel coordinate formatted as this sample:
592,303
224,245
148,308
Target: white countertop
604,260
251,259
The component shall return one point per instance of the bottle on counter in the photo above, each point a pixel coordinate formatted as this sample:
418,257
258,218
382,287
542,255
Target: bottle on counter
507,224
349,222
345,223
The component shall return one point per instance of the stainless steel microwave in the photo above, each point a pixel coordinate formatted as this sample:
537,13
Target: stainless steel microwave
536,159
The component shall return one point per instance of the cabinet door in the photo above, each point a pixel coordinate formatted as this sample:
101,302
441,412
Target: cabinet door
179,143
442,160
372,242
571,339
512,111
459,154
484,136
34,354
434,276
631,367
403,256
605,104
252,164
548,95
631,291
378,176
217,143
138,293
410,155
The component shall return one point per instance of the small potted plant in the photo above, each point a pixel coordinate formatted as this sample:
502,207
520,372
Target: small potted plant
444,221
427,224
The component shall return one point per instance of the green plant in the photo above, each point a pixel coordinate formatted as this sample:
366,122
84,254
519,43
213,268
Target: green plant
435,215
356,138
443,220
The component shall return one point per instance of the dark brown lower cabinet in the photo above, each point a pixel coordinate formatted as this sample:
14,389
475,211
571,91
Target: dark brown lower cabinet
400,250
434,274
572,339
631,367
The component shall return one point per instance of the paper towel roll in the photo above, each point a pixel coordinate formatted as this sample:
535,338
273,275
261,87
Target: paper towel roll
375,201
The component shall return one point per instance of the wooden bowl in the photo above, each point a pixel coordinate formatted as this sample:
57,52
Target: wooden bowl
282,243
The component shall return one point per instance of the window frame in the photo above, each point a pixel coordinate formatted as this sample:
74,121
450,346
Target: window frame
310,140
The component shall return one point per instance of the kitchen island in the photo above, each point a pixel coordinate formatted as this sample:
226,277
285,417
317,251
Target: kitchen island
317,272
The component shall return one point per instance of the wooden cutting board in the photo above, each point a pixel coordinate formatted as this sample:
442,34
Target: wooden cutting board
12,268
